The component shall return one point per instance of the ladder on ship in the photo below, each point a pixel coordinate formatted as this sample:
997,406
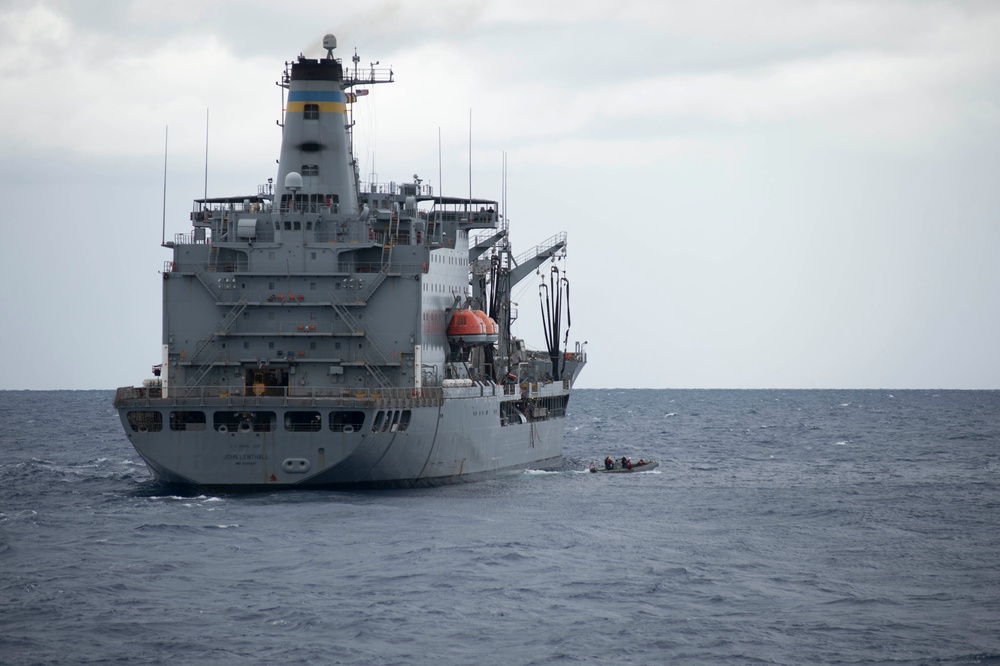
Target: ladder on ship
224,327
372,365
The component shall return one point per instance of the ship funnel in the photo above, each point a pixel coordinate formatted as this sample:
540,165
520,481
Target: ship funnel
315,144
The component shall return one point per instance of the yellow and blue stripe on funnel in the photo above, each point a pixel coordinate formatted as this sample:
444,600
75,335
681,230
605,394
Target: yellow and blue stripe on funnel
328,101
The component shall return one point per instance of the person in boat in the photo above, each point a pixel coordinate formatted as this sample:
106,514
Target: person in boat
608,463
640,463
593,466
625,463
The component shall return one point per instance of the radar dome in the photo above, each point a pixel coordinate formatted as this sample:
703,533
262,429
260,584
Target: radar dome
293,181
329,42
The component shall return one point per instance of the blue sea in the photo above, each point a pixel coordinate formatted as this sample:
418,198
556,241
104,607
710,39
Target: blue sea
782,527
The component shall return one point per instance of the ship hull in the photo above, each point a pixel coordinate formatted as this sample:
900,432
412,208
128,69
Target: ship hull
389,443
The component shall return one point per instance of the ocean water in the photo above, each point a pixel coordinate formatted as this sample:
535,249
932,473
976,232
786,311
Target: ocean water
782,527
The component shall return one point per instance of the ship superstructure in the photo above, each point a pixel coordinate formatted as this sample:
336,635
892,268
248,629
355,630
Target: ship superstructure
329,332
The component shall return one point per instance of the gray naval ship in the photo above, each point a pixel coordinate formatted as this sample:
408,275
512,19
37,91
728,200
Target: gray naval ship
329,332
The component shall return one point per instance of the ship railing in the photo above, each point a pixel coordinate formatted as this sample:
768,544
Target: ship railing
135,396
240,396
394,188
376,267
478,219
354,292
240,265
555,242
203,211
362,76
229,265
303,206
200,237
233,265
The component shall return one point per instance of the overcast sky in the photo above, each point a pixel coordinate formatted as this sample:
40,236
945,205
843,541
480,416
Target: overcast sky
767,194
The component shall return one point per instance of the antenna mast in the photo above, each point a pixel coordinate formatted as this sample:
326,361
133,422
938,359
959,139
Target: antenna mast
206,152
503,191
163,231
470,158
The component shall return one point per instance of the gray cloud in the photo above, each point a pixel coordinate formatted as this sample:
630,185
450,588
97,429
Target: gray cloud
757,195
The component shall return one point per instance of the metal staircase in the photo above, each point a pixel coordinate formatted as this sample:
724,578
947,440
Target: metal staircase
376,281
206,366
205,282
372,365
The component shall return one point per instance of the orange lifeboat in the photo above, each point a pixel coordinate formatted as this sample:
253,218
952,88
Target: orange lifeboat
489,325
467,328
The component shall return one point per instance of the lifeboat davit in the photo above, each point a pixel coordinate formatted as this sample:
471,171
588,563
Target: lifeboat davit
471,327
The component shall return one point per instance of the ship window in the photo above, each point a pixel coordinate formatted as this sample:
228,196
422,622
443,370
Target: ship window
145,421
270,345
187,420
346,421
270,285
309,227
288,225
302,421
378,420
311,112
312,285
244,421
336,345
404,420
310,170
246,345
297,225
